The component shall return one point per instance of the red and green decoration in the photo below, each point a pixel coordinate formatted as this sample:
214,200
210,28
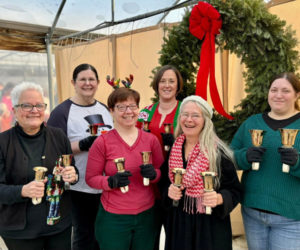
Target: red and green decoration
264,43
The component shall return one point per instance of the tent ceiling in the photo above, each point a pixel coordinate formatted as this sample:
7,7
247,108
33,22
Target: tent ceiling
30,21
24,24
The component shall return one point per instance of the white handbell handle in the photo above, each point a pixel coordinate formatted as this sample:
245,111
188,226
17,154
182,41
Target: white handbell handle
285,168
36,201
208,210
124,189
146,181
167,147
255,165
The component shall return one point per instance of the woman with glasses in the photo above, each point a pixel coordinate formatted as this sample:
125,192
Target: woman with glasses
198,209
23,224
74,116
126,215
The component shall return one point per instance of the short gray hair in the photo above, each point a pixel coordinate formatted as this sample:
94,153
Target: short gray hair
20,88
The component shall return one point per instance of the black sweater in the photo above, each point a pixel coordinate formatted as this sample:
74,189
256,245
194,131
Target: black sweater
15,172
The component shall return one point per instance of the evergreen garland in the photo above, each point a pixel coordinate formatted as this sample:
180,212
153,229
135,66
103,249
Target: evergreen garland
262,41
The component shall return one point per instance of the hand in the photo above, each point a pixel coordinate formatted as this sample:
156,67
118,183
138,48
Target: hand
86,143
288,155
175,193
69,174
148,171
119,179
167,138
212,199
255,154
34,189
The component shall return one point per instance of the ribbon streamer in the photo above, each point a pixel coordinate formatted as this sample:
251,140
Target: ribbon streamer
206,22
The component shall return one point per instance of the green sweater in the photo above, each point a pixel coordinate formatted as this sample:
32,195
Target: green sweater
268,188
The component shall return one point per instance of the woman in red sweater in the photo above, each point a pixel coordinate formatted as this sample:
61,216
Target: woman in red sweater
126,218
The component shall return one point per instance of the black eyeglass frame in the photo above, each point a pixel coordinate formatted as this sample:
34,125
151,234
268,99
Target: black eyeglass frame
41,108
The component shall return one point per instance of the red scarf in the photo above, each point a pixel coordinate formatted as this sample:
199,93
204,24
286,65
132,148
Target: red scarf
192,180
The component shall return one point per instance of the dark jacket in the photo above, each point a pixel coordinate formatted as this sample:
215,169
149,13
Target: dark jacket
14,174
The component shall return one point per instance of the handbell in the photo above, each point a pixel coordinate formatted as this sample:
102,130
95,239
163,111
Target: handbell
120,162
40,173
67,161
146,126
288,137
93,128
167,127
146,159
208,181
178,175
257,138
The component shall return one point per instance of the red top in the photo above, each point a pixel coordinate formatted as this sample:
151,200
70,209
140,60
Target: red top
110,146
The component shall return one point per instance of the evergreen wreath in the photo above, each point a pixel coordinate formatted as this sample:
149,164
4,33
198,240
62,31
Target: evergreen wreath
263,42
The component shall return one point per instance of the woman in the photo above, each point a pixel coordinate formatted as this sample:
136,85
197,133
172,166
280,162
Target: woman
30,143
125,220
197,149
74,116
167,83
271,202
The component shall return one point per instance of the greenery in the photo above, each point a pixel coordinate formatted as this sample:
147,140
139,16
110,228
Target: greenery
262,41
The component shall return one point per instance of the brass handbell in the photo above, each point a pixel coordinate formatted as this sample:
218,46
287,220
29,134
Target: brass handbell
167,127
146,126
121,168
40,173
178,175
208,181
93,128
146,159
257,138
288,137
67,161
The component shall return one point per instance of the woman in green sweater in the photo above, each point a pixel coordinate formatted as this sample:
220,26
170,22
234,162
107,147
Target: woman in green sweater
271,201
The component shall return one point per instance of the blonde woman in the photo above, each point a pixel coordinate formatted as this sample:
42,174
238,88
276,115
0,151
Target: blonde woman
198,149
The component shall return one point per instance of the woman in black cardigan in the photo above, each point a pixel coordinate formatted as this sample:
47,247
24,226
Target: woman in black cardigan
24,225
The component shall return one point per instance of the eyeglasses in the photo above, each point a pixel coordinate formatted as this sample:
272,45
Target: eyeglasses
194,116
123,108
29,107
84,80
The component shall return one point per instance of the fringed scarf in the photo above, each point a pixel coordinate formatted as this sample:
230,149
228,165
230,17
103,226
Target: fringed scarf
192,180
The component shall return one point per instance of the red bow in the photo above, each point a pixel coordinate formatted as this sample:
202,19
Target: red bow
206,21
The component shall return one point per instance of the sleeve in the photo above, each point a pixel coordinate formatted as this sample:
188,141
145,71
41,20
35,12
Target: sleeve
295,170
239,149
230,188
157,157
95,166
164,183
59,116
9,194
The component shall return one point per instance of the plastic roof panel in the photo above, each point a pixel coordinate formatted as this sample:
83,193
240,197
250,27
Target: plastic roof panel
80,15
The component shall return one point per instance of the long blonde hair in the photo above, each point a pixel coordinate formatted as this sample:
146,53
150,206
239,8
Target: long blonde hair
212,146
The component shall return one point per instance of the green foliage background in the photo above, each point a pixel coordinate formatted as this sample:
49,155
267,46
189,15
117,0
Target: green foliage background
262,41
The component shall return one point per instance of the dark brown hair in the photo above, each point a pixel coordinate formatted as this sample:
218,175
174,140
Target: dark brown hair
159,75
293,80
122,94
82,67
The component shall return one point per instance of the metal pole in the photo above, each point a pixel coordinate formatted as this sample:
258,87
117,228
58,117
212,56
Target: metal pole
50,72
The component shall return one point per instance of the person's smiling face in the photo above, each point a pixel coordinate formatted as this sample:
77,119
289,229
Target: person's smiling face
191,120
30,121
282,97
86,83
167,86
125,113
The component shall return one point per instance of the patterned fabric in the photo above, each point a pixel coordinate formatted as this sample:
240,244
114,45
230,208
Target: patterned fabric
192,180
